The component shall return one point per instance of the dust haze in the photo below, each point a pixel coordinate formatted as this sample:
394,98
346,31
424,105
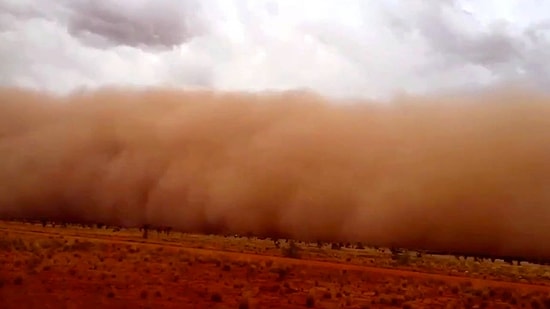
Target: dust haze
463,173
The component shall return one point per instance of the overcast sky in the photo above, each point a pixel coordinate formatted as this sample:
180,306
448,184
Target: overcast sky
354,48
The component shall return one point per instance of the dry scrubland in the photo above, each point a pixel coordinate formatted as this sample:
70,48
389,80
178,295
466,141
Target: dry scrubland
77,267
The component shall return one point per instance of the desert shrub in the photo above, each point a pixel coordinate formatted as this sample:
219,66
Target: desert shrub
535,304
133,249
401,258
466,284
244,303
455,290
79,246
310,300
281,271
5,244
13,244
33,262
216,297
292,251
348,301
18,280
397,301
51,244
506,295
144,294
72,272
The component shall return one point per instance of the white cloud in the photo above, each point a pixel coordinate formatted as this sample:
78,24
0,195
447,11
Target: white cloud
341,48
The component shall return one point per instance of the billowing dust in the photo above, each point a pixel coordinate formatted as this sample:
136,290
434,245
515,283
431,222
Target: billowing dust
465,174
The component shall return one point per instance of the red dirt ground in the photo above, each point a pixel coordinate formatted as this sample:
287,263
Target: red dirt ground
73,267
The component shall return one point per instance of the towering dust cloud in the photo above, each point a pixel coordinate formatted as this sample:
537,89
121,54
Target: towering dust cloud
468,174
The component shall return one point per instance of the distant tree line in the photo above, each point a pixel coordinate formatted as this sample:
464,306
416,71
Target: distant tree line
395,252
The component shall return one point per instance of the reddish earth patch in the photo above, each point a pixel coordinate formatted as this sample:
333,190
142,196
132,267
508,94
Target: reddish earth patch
91,268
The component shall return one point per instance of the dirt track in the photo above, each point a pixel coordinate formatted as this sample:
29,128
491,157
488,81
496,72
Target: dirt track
116,271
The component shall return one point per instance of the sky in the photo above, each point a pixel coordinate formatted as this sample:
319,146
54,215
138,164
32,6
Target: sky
345,48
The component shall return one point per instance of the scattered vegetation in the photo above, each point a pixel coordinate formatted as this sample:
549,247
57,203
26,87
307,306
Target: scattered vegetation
292,251
18,280
144,294
244,303
216,297
174,274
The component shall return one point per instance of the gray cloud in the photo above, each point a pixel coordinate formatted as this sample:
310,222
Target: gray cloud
162,23
457,40
486,47
354,49
536,66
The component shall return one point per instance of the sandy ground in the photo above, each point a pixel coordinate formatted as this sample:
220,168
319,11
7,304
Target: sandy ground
76,267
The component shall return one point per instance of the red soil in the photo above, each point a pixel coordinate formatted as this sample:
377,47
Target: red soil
83,268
